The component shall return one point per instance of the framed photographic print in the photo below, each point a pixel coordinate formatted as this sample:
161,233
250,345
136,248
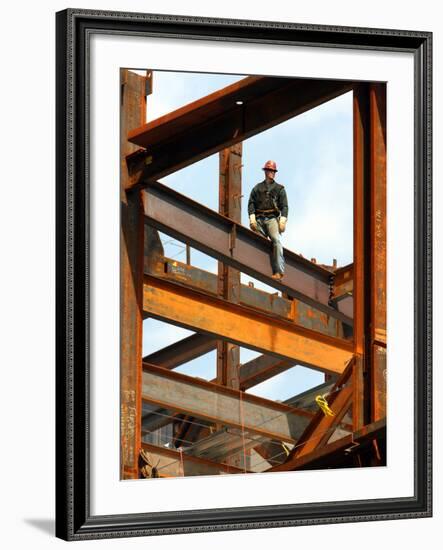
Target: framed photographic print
243,274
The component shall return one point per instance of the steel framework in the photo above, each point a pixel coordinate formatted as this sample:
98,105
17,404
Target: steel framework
326,318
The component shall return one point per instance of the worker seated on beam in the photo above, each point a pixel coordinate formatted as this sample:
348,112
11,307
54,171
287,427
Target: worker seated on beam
268,213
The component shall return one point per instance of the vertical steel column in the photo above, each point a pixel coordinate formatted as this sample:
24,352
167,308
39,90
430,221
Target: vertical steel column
369,400
133,115
228,355
361,273
378,251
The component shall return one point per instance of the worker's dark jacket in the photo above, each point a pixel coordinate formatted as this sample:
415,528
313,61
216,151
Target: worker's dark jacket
268,200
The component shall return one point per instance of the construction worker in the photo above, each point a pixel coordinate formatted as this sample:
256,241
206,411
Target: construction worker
268,213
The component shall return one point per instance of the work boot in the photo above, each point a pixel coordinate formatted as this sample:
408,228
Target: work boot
277,276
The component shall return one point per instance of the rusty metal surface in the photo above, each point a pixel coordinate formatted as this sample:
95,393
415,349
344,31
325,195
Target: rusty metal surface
369,251
378,210
205,127
293,310
327,424
340,452
378,250
361,259
188,308
321,426
133,113
223,405
378,401
343,286
228,288
208,282
210,232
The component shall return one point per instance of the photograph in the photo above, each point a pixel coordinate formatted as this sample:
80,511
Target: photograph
243,260
253,224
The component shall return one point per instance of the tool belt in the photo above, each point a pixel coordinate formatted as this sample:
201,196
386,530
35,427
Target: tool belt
264,212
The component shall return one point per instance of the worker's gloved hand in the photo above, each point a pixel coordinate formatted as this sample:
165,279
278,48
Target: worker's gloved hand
282,224
252,222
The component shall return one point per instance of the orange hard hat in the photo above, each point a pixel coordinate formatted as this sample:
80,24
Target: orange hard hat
270,165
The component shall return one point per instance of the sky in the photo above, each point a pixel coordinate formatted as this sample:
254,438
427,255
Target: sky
313,152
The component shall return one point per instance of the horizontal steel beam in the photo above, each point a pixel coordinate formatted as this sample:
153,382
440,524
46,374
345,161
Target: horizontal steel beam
217,121
172,463
226,406
243,326
291,309
236,246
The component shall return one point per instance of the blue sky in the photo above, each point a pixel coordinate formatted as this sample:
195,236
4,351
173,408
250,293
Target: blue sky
313,152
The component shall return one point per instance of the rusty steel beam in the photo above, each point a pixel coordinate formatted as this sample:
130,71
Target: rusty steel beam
262,368
369,252
133,113
182,351
327,424
226,406
377,105
237,246
361,254
193,310
215,122
206,281
343,290
171,463
321,427
340,452
228,287
291,309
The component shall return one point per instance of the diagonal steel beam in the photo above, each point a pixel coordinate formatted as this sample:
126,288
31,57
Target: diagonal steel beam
236,246
182,351
335,453
196,311
217,121
321,427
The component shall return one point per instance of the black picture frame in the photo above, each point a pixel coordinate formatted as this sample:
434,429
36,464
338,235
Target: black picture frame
74,27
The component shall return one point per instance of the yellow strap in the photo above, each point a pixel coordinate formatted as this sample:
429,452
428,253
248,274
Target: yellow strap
323,404
285,448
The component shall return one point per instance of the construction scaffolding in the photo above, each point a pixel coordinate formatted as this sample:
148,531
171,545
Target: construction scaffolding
328,318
